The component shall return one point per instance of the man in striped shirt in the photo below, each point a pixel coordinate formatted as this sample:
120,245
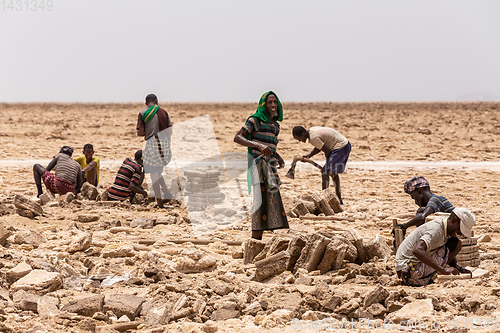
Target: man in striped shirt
128,180
429,203
66,178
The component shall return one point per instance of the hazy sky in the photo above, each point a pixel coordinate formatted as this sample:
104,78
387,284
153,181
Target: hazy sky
232,50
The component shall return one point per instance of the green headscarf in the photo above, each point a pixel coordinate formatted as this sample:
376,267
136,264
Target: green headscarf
262,114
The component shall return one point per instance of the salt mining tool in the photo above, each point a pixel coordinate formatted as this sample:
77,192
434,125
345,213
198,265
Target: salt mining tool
291,173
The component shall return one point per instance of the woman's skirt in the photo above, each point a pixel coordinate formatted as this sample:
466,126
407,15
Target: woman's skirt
268,212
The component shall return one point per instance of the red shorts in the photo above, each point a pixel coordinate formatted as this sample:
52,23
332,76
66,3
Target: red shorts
57,185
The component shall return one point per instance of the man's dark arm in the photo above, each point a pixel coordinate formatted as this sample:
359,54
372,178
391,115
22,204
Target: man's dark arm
79,183
419,219
52,164
240,139
136,189
420,251
311,154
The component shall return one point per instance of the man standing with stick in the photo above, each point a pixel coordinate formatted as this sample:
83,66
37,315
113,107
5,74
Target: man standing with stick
336,148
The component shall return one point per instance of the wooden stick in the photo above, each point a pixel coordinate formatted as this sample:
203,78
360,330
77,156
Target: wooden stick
455,277
398,234
327,218
118,326
204,241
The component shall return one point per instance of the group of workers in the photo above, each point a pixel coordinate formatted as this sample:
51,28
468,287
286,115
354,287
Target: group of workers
427,250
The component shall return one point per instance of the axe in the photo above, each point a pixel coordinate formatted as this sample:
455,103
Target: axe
291,173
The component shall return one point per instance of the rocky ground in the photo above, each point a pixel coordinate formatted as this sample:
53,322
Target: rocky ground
89,265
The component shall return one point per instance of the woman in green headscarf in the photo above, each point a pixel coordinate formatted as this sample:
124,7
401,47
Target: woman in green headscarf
260,135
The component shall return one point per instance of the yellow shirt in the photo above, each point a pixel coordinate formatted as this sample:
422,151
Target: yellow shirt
82,160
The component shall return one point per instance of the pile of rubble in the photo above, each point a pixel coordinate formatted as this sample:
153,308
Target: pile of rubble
325,202
319,251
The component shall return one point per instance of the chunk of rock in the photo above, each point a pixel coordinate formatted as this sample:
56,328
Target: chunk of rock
376,310
118,250
336,251
48,307
376,247
66,198
154,314
129,305
142,222
210,327
271,266
253,309
87,306
377,295
276,318
4,234
332,303
348,307
312,253
80,243
224,314
252,248
195,262
484,238
45,198
39,281
25,301
89,191
167,220
32,237
41,264
295,249
420,310
221,288
24,203
237,253
86,218
14,274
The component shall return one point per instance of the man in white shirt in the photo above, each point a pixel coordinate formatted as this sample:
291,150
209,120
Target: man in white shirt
336,148
429,248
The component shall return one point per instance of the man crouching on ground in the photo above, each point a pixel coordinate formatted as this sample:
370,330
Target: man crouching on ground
429,248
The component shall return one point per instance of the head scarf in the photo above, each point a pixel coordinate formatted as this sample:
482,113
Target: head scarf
414,183
262,114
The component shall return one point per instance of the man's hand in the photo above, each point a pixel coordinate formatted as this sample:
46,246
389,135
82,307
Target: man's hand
450,271
306,156
265,149
281,162
462,270
399,226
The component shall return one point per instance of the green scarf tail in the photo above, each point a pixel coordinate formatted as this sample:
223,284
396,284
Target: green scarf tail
262,114
150,113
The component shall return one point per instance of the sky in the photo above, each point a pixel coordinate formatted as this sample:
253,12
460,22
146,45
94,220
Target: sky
233,51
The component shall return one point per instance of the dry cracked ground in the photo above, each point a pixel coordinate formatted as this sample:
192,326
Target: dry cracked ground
85,265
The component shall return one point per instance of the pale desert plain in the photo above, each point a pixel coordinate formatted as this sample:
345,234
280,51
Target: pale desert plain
97,262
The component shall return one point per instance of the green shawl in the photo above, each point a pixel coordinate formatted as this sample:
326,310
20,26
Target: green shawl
150,113
261,114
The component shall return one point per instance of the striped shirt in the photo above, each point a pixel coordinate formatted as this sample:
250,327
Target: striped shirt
440,204
265,133
66,168
129,172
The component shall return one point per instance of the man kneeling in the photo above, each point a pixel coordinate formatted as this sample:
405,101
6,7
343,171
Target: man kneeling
429,248
128,180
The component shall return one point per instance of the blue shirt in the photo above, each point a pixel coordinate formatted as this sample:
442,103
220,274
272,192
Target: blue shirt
440,204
